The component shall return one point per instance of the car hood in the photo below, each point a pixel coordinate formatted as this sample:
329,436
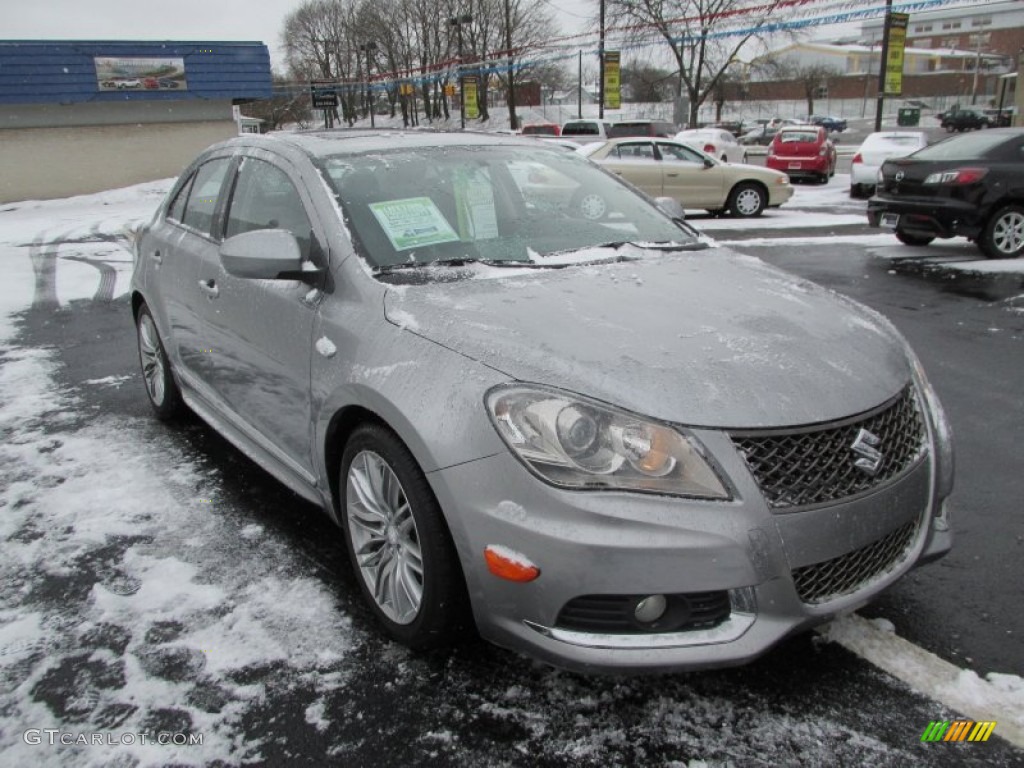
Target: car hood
708,338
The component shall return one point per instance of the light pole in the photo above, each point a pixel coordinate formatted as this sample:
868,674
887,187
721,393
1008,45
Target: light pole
457,22
369,47
512,119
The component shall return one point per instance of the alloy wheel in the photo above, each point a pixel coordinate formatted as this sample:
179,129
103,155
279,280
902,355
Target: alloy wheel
384,537
152,360
1008,233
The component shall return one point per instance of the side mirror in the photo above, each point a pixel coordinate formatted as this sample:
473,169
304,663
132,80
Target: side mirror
670,207
709,163
265,254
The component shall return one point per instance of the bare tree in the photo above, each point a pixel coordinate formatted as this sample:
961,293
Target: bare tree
288,104
699,35
813,78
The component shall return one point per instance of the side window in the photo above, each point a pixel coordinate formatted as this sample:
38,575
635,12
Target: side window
202,198
177,207
265,198
679,153
643,150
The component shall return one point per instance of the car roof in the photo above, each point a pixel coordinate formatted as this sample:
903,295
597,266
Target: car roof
357,141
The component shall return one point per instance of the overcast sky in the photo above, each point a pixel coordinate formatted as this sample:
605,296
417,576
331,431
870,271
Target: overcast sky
207,20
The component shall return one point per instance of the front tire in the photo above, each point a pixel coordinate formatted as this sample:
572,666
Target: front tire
747,200
161,388
914,240
1003,236
398,543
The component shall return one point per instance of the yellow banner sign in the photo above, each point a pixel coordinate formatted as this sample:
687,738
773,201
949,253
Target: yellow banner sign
612,91
894,56
469,91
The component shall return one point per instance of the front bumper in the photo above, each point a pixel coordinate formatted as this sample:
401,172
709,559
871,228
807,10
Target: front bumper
935,216
779,194
610,543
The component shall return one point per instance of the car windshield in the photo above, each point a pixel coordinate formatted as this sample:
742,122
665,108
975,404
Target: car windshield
891,142
495,204
970,146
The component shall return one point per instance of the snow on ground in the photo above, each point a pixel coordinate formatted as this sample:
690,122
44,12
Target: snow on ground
133,603
127,604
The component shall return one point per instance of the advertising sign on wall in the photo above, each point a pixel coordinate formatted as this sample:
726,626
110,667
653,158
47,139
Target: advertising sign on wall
894,58
140,74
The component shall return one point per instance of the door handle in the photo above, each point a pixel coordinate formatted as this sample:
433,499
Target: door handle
210,288
671,175
157,257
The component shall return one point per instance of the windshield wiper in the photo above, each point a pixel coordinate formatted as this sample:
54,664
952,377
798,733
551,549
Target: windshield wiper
454,262
662,245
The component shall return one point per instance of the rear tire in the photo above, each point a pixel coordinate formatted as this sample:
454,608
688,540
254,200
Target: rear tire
397,540
161,388
1003,236
913,240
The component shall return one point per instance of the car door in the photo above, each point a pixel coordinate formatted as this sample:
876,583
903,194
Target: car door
688,179
178,247
637,162
260,331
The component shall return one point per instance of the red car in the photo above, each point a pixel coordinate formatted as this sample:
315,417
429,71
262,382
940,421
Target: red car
542,129
803,151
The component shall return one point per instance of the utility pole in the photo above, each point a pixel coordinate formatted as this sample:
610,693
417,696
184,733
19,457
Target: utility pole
579,89
600,56
882,63
513,121
457,22
977,66
369,48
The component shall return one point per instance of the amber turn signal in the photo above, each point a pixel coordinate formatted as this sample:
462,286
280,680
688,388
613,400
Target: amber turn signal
510,565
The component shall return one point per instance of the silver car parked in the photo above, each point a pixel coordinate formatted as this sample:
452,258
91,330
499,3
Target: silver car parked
604,443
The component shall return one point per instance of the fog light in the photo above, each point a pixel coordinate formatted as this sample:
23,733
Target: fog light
650,609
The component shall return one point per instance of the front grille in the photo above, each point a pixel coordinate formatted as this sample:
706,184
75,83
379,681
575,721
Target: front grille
613,614
844,574
816,465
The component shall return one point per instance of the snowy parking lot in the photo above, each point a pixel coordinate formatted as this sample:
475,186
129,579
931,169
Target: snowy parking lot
163,601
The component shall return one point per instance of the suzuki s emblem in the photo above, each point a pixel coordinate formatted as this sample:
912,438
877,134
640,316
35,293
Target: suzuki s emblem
864,447
898,177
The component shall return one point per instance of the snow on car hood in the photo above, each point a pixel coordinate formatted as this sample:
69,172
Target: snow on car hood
708,338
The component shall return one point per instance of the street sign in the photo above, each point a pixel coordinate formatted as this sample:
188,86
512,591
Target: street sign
323,95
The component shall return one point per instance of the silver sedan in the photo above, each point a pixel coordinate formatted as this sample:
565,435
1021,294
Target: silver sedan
602,443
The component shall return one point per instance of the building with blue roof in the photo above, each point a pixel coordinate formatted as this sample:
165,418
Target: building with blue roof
80,116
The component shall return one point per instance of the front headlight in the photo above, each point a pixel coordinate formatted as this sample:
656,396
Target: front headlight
940,424
573,442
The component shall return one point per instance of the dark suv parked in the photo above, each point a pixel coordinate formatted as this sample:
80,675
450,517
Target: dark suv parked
964,119
968,186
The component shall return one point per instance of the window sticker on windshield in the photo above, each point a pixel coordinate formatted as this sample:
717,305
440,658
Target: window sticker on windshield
474,200
413,223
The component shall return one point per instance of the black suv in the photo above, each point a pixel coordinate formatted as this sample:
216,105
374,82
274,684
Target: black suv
967,186
964,119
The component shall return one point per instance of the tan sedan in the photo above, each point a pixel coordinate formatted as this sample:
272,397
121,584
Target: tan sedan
666,168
